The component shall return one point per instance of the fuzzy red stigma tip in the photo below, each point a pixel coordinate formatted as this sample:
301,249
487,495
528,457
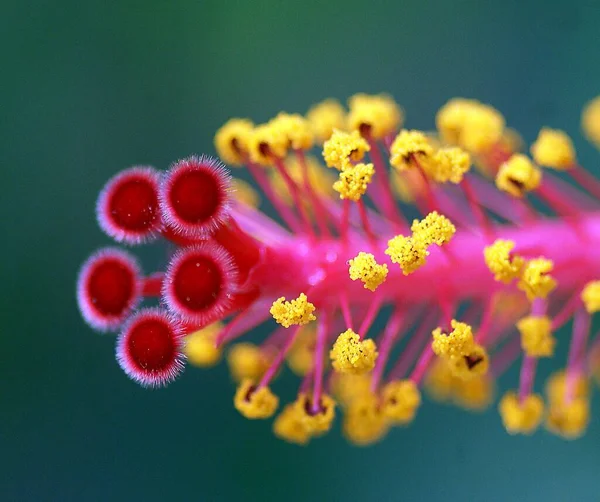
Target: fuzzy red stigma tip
127,208
149,349
195,197
109,288
200,282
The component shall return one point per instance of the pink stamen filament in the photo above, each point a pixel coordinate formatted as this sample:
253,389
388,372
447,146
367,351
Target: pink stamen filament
391,334
371,314
322,335
270,373
529,365
577,350
586,180
321,214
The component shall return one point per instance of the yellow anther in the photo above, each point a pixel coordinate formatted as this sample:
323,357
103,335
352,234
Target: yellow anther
244,193
267,141
375,116
518,175
505,266
325,117
590,120
296,312
343,149
521,417
536,280
448,164
353,181
301,357
439,381
536,336
231,141
350,354
459,342
364,268
348,386
296,129
475,393
364,421
320,178
556,387
474,363
409,145
253,402
569,420
435,228
319,422
247,361
400,401
408,252
553,148
591,296
288,426
200,347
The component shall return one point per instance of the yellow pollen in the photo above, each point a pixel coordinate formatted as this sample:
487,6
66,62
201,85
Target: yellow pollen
554,149
253,402
521,417
267,141
498,258
288,426
518,175
459,342
408,144
363,267
353,182
247,361
231,141
296,129
301,356
556,387
244,193
448,164
568,420
590,121
296,312
474,363
200,347
591,296
475,393
374,115
342,149
435,228
348,386
315,423
408,252
350,354
325,117
364,421
400,401
536,336
535,279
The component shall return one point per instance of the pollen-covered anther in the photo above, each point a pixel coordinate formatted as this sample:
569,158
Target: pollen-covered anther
350,354
231,141
325,117
200,282
474,363
343,149
296,129
408,145
536,336
590,295
435,228
200,346
374,115
536,280
255,402
459,342
408,252
195,197
568,420
266,142
150,348
554,149
353,181
590,120
556,387
364,420
448,165
363,267
301,357
315,422
349,386
109,288
400,400
518,175
475,394
502,263
521,416
296,312
288,425
128,206
247,361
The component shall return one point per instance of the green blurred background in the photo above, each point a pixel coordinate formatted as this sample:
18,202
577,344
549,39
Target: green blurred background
91,87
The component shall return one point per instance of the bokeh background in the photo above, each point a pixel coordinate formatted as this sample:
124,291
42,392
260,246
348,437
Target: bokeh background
90,87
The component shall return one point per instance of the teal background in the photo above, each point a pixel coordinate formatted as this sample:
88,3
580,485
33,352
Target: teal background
90,87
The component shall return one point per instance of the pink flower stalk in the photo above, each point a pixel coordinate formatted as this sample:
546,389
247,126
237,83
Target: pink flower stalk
482,276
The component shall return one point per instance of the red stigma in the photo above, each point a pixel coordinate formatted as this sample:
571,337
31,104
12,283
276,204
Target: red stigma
127,208
200,282
195,196
109,288
149,348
